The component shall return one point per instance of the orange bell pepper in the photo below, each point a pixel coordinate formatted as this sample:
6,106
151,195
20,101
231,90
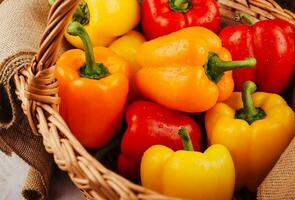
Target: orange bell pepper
187,70
93,87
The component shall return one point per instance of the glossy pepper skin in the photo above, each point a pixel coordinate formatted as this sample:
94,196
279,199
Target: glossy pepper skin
187,174
150,124
272,43
161,17
103,19
92,106
186,70
255,138
127,46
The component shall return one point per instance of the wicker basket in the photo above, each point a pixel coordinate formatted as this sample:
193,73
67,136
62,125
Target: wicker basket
37,89
258,9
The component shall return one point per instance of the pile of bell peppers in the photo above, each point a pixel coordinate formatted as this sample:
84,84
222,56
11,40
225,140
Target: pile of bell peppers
160,78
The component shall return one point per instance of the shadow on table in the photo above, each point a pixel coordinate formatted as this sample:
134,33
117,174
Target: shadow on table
61,187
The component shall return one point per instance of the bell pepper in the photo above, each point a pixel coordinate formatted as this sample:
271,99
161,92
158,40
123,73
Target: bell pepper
272,43
93,87
150,124
103,19
126,46
256,128
161,17
187,70
187,174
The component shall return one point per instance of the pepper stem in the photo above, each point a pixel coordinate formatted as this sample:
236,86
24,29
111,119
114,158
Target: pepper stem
247,18
249,112
215,67
81,14
91,69
187,143
180,5
51,2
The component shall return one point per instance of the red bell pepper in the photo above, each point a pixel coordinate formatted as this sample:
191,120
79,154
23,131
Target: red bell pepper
150,124
272,43
161,17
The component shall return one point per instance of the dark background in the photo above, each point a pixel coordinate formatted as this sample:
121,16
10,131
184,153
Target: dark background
289,4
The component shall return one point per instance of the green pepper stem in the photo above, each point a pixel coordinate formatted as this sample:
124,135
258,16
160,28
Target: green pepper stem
187,143
92,69
180,5
51,2
76,29
231,65
249,112
215,67
247,18
81,14
248,90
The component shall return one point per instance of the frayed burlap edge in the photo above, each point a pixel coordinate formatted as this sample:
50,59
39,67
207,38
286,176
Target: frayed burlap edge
37,181
9,67
280,182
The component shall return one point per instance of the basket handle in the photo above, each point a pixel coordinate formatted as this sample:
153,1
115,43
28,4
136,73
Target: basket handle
59,16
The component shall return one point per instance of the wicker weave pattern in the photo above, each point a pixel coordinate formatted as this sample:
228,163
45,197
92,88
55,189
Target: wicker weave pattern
37,89
258,9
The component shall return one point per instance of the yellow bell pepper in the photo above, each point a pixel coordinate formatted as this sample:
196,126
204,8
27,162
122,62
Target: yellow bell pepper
127,46
189,174
105,20
255,128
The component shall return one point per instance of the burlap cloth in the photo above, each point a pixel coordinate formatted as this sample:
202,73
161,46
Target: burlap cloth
21,26
280,182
